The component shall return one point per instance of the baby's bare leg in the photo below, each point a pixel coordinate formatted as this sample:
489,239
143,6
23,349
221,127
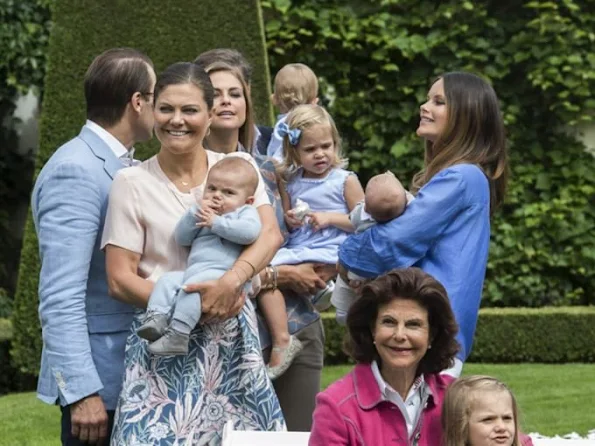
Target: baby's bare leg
272,305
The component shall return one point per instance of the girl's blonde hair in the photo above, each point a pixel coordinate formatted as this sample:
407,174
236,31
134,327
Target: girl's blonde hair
459,400
295,84
246,134
474,134
301,118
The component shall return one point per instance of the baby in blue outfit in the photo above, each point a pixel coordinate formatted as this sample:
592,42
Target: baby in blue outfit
217,229
385,199
295,84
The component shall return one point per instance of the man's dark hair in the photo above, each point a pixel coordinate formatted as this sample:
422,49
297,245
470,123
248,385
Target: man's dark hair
111,80
229,56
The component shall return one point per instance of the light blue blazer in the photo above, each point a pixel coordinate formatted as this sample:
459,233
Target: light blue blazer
84,330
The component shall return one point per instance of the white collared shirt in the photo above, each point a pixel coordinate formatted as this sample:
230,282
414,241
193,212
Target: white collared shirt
126,156
412,406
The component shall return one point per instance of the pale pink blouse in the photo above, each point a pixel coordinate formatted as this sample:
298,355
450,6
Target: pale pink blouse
144,208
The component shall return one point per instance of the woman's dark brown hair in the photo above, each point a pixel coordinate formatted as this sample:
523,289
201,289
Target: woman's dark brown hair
415,285
474,134
186,73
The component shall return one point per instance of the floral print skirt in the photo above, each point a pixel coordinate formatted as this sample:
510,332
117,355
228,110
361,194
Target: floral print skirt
186,400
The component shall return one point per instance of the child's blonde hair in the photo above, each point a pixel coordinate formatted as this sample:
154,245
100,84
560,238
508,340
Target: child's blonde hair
295,84
459,400
301,118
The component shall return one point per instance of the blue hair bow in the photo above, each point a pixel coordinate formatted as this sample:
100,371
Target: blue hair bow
292,134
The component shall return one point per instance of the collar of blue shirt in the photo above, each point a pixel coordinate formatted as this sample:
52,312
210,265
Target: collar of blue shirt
126,156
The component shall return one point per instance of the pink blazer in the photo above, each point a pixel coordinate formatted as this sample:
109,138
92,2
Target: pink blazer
352,412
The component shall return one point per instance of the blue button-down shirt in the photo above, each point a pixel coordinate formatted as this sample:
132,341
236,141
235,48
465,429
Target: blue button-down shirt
445,231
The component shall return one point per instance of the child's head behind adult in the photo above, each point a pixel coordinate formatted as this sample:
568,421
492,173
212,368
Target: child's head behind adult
231,183
461,123
295,84
480,411
385,197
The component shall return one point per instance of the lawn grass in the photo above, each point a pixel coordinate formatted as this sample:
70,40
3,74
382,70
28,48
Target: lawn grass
554,399
26,421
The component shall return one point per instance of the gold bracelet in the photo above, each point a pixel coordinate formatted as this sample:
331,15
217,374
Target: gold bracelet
251,266
242,270
238,274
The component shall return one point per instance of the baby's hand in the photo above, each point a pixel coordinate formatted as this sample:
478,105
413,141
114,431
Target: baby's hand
205,217
291,221
320,220
206,203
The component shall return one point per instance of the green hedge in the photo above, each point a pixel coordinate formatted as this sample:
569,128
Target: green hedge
11,379
377,58
168,32
508,335
544,335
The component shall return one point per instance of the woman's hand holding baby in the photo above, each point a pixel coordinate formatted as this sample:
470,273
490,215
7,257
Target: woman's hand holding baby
221,299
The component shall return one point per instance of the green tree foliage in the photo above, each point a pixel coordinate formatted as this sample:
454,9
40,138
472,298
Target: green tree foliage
168,32
23,42
377,59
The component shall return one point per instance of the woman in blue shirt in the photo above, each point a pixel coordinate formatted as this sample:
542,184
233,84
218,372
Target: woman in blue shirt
446,230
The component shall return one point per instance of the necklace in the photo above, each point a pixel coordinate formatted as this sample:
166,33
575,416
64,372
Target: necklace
184,183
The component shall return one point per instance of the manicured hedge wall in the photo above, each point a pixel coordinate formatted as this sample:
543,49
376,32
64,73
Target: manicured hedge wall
11,379
549,335
543,335
168,32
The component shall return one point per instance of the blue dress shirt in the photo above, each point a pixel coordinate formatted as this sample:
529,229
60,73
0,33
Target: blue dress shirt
445,231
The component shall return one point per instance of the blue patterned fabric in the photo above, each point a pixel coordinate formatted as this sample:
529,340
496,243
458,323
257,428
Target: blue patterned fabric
300,312
187,399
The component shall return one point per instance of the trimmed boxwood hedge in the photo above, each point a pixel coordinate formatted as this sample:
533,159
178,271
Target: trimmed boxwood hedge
508,335
545,335
11,379
168,32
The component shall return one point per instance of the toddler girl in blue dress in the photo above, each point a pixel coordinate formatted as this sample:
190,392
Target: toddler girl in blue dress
312,171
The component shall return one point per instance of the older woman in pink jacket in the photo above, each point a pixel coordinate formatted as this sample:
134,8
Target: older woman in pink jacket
402,334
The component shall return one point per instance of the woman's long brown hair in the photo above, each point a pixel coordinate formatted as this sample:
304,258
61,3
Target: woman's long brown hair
474,134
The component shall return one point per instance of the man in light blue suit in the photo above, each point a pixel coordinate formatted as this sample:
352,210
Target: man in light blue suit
84,329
